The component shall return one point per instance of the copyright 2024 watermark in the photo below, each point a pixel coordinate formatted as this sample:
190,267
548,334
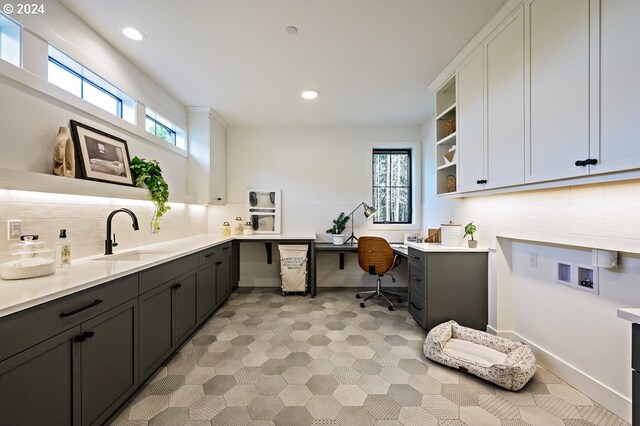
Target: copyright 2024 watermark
23,9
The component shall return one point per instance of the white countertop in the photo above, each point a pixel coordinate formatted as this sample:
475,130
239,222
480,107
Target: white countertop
436,247
84,273
630,314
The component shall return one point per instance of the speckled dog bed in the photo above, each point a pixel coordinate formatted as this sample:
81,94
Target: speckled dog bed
506,363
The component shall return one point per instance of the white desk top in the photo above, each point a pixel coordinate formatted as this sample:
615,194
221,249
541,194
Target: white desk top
436,247
630,314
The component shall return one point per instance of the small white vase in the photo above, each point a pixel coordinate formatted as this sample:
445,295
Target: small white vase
338,239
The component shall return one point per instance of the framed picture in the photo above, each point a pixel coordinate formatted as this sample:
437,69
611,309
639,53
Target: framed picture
263,210
102,157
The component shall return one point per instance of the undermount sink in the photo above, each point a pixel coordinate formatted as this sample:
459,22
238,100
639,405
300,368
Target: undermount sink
134,256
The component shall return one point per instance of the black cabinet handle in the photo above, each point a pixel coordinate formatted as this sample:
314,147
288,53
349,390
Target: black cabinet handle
225,248
414,257
581,163
207,256
415,306
219,199
84,336
76,311
176,286
591,161
481,181
415,278
218,263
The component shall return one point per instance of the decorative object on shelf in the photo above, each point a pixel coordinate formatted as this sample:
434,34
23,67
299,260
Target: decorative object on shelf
433,235
337,230
63,250
102,157
27,259
470,229
451,234
248,229
263,210
412,237
368,212
449,156
448,127
238,227
450,184
64,154
148,173
226,229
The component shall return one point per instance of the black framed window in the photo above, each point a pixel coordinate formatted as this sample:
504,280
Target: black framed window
155,127
392,195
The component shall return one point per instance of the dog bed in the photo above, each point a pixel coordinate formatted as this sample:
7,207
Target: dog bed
504,362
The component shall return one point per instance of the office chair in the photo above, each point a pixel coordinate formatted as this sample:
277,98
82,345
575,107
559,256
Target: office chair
376,257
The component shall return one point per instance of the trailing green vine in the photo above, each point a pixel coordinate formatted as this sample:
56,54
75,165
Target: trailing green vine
148,173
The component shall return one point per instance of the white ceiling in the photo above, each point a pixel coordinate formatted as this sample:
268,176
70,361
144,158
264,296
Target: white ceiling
371,60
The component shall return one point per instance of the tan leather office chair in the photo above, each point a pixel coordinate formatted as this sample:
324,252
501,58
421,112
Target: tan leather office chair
376,257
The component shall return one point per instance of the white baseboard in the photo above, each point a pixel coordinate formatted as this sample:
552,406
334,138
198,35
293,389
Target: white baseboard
594,389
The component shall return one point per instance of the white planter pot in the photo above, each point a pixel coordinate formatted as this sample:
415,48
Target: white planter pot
338,240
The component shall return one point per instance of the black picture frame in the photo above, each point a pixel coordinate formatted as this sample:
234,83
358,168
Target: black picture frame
102,157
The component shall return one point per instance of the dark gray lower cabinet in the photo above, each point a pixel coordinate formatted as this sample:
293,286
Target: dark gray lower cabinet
223,279
40,386
168,315
207,298
447,286
635,374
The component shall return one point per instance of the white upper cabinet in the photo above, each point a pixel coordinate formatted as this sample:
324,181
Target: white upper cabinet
505,103
470,123
217,178
559,89
619,147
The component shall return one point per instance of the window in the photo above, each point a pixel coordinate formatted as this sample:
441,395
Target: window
392,185
160,127
69,75
10,36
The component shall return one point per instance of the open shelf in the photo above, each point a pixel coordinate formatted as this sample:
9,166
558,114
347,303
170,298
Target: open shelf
446,166
40,182
448,113
447,140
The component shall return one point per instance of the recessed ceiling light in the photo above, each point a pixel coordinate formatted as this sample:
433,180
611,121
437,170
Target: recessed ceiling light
133,34
291,30
310,94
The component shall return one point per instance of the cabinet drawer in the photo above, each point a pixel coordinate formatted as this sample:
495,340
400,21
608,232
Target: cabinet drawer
417,307
635,398
212,253
635,347
417,281
152,278
417,257
27,328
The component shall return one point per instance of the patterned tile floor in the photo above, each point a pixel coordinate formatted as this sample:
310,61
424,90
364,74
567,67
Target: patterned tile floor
267,360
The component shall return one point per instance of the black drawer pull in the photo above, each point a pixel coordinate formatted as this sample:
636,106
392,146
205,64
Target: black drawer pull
414,256
207,256
218,263
219,199
415,278
591,161
225,248
84,336
416,306
76,311
176,286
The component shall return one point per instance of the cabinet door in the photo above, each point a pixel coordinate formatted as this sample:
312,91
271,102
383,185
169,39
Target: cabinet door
41,386
184,304
618,147
156,340
109,362
559,89
223,279
505,103
206,290
470,123
217,175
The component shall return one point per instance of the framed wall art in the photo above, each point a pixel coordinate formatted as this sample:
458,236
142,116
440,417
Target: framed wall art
102,157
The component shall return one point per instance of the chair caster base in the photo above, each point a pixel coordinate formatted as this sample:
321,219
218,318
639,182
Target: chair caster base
390,307
399,300
362,304
357,296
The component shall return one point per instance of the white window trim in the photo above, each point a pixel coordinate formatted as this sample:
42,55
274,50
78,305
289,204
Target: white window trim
416,184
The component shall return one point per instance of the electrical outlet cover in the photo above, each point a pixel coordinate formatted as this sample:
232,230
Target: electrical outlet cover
14,229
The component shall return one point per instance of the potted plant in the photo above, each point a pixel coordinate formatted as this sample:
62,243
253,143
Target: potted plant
148,173
471,229
337,230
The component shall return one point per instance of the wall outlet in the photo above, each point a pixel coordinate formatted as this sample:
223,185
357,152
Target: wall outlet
14,229
533,260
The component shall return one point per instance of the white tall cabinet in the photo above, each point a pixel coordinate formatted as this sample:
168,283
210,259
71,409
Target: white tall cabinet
470,125
505,93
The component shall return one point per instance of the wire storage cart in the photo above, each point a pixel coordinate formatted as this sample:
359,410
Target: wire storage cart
293,268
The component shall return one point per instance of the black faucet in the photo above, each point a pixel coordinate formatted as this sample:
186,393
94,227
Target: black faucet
109,244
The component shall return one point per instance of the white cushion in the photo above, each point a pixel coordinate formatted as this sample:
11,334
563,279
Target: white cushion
473,352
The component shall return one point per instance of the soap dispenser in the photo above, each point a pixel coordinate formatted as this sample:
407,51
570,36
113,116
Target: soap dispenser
63,250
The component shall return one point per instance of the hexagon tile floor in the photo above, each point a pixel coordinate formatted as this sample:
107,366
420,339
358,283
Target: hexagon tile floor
264,359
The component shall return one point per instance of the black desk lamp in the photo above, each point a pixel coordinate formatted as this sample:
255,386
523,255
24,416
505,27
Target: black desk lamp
368,212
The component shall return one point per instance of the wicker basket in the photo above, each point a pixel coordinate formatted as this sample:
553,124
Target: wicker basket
448,127
450,184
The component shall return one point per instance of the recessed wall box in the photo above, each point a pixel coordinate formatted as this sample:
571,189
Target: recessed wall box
564,271
587,278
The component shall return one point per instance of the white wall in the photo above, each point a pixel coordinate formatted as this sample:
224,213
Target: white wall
321,171
594,358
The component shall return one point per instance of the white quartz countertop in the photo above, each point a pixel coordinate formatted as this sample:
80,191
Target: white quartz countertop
630,314
84,273
436,247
